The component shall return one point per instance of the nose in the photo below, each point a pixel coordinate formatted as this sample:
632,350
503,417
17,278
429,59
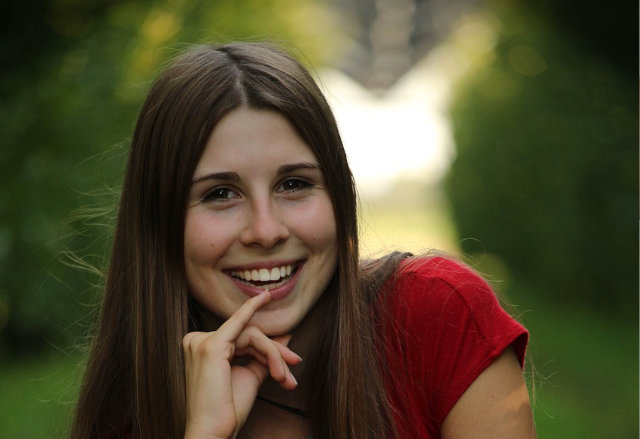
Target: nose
264,227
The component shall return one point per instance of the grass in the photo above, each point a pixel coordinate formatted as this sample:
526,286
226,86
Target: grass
586,364
586,370
36,396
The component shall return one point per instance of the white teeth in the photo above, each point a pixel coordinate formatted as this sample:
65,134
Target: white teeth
264,274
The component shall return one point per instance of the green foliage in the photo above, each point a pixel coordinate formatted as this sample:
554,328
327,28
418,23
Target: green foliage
546,172
56,115
70,88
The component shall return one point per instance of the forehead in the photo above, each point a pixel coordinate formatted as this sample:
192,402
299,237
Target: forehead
252,136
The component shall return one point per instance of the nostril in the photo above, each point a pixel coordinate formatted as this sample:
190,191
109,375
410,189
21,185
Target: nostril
265,233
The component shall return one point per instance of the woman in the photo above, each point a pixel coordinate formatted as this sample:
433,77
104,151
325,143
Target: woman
235,302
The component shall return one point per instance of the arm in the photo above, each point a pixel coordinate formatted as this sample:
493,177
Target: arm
495,406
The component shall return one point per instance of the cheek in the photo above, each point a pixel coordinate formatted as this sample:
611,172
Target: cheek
317,226
192,239
204,240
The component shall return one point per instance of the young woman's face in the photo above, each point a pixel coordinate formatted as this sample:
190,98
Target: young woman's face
259,216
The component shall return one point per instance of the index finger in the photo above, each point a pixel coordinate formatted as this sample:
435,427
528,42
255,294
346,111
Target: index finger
234,325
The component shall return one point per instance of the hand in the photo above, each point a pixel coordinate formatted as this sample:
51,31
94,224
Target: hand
220,394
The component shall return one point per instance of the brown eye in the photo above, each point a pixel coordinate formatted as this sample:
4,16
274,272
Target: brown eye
293,184
219,195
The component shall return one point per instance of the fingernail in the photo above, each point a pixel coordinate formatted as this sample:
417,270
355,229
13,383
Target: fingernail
293,378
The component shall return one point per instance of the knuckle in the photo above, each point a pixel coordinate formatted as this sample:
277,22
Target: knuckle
187,340
207,348
252,333
257,339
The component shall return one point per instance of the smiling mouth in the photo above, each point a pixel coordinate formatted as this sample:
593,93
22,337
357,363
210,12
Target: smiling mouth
266,278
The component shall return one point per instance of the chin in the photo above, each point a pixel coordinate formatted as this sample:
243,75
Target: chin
271,330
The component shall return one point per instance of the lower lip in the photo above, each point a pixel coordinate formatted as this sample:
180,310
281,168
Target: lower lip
276,293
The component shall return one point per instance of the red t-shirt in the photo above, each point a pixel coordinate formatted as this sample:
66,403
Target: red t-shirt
447,327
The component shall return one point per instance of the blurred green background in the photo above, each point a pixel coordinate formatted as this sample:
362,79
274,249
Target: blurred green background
541,195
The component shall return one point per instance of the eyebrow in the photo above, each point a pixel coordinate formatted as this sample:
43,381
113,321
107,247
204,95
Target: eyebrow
233,176
228,176
285,169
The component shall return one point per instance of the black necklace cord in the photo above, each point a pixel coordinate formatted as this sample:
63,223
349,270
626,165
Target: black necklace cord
295,411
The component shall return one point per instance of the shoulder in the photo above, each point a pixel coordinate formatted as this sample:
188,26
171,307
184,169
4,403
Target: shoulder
440,268
447,299
436,279
444,325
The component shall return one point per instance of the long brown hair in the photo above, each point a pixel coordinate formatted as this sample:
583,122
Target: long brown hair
134,380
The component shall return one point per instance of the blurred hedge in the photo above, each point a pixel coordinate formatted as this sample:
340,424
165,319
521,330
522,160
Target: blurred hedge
546,170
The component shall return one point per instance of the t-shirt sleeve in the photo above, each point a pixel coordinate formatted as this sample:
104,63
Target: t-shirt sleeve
454,328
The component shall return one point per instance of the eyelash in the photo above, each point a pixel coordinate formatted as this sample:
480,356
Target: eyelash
214,195
300,184
221,194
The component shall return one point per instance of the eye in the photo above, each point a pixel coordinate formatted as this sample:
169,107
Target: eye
220,195
293,185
